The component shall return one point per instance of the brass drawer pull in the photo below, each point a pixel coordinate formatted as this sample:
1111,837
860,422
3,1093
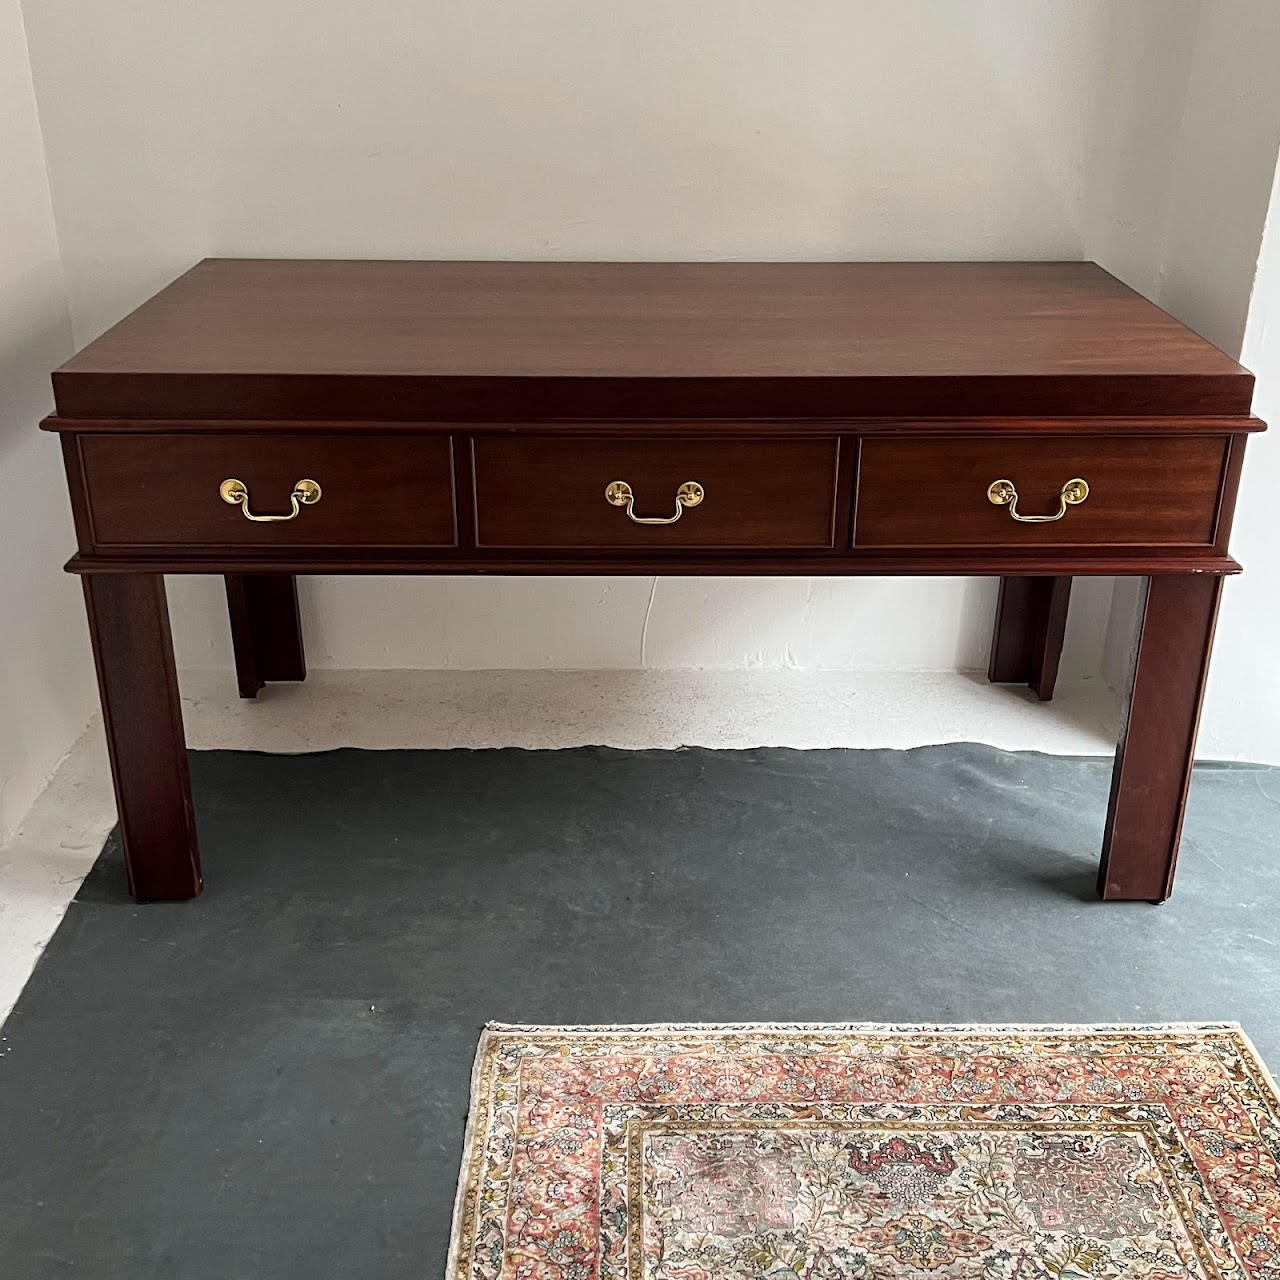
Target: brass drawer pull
305,492
688,494
1003,494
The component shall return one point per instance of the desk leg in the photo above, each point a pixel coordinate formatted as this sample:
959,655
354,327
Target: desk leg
1031,620
266,633
129,626
1157,742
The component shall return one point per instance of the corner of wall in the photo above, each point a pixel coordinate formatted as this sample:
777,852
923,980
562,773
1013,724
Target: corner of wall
46,681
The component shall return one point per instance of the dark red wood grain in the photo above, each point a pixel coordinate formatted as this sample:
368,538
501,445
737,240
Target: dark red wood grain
676,426
1157,744
845,419
1030,626
547,492
266,631
376,491
142,716
486,340
969,562
1149,492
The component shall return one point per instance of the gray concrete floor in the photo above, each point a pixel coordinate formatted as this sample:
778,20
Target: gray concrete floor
272,1081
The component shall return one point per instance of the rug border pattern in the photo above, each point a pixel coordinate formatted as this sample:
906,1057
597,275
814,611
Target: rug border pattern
1262,1099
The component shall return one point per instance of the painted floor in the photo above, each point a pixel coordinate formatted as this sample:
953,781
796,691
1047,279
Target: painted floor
42,865
272,1081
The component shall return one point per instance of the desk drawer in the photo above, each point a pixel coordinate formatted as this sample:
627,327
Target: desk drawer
1149,491
375,490
550,492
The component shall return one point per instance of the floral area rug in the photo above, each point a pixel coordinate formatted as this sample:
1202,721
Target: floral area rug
844,1152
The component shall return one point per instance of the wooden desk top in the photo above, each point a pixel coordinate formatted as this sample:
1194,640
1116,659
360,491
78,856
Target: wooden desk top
238,338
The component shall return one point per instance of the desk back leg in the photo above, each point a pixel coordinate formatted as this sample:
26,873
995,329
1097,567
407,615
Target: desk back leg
1031,621
266,632
1158,739
133,652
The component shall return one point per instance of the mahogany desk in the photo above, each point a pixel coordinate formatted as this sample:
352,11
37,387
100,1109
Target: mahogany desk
262,419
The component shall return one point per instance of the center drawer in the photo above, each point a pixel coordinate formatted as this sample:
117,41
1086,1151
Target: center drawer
555,492
373,490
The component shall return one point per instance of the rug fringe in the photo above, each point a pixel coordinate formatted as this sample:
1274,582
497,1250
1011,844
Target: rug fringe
913,1028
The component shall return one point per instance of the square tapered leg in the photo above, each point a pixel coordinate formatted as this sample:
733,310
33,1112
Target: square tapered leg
266,632
1157,743
1031,622
137,681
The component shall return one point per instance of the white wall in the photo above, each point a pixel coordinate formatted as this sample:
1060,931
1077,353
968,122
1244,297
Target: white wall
571,128
45,668
1190,159
1242,704
1139,132
1180,179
